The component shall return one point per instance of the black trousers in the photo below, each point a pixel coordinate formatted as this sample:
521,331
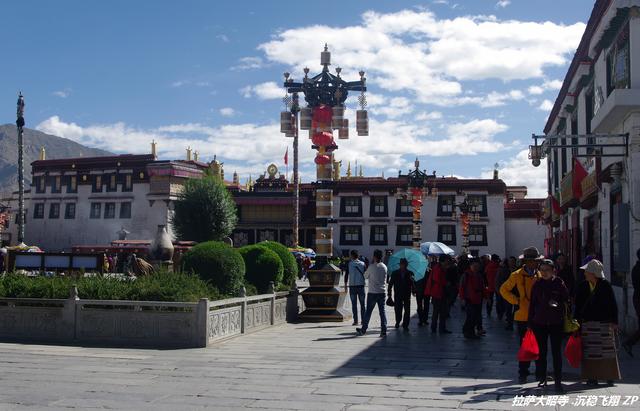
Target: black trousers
501,306
474,314
490,303
440,313
402,308
523,366
422,303
544,334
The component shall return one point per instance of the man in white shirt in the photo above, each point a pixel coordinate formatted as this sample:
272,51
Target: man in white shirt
377,276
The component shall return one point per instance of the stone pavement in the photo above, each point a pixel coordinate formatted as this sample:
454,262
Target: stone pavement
293,366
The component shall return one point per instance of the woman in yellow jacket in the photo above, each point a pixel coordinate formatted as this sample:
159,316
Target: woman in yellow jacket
522,280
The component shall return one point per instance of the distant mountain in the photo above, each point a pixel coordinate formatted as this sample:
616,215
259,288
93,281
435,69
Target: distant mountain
55,147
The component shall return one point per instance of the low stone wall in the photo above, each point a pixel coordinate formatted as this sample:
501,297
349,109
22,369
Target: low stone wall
141,323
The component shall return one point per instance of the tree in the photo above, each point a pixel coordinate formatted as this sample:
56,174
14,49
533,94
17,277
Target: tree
204,211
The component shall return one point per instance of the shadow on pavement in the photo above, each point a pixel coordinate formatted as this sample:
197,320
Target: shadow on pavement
486,369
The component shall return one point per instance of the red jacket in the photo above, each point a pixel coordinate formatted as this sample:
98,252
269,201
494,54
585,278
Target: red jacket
472,287
436,282
491,271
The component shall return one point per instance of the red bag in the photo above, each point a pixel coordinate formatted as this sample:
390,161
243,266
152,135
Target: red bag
573,351
529,350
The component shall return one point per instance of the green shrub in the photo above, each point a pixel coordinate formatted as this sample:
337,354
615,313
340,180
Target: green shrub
263,266
289,265
218,263
162,286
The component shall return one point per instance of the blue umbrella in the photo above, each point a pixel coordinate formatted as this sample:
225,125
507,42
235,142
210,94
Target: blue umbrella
435,248
418,264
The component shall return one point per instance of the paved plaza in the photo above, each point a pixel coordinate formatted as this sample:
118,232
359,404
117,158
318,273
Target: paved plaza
293,366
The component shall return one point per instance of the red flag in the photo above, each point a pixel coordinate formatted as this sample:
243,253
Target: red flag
579,174
555,205
286,157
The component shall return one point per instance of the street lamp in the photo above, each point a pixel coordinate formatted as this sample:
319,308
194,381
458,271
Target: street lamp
468,212
595,145
325,95
417,181
20,125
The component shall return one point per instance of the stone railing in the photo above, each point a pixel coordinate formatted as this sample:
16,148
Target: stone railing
141,323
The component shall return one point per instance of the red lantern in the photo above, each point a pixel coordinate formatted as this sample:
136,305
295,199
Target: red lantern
416,202
322,159
416,192
322,116
322,139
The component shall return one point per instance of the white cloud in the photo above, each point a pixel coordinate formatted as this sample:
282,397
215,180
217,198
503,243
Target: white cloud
424,116
519,171
546,86
535,90
386,147
546,105
503,3
227,112
395,107
264,91
249,63
414,51
223,38
183,83
64,93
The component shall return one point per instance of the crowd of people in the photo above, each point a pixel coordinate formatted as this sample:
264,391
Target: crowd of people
529,293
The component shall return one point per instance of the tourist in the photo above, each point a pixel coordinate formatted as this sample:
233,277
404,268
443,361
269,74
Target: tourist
401,283
377,276
635,281
436,290
491,272
306,265
597,312
354,278
453,283
422,300
547,309
472,290
503,308
523,280
565,271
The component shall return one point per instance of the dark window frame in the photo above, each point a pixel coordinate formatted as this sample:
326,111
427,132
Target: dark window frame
68,214
441,203
97,188
399,205
40,184
38,211
110,210
343,235
441,229
399,235
122,208
372,233
54,210
484,241
343,206
112,178
372,207
129,187
70,186
95,210
56,184
483,202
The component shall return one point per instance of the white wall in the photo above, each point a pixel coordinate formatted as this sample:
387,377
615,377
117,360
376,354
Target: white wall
521,233
61,234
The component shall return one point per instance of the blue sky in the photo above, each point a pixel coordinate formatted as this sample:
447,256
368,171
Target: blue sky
460,84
